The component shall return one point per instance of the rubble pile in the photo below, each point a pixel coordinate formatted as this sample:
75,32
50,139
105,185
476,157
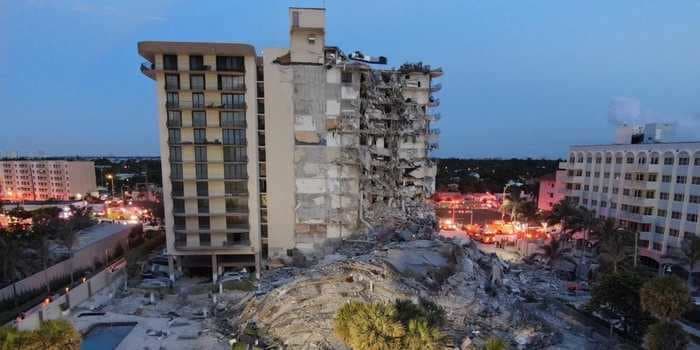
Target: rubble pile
475,289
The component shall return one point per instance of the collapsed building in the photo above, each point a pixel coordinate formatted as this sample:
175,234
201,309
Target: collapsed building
291,150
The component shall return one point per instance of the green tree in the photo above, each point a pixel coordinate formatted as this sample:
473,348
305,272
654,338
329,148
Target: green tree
494,343
562,213
373,326
421,335
691,250
554,251
666,298
616,296
55,335
616,244
665,336
51,335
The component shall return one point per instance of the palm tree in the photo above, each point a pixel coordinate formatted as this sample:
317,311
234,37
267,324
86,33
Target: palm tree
421,335
513,205
494,343
562,213
691,250
615,243
554,251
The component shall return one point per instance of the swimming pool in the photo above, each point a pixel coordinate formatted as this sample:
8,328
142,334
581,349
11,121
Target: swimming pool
106,336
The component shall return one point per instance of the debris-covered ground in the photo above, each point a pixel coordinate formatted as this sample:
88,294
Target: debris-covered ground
482,296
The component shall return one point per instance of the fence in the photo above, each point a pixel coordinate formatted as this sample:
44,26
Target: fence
60,306
82,259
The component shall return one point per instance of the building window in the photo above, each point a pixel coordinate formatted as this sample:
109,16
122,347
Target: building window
236,205
175,153
179,223
236,188
200,136
174,119
694,199
203,206
174,136
645,228
639,177
233,238
666,178
200,153
179,205
234,154
661,213
262,169
233,101
260,90
231,82
205,239
606,175
683,161
696,180
678,197
176,170
628,176
668,161
648,211
676,215
170,62
263,186
172,100
656,246
201,170
236,222
641,160
346,77
681,179
235,119
234,136
663,196
625,191
197,100
197,62
197,82
172,81
650,194
203,222
230,63
178,188
605,189
263,216
651,177
692,217
235,171
659,229
261,141
199,119
630,160
261,154
673,232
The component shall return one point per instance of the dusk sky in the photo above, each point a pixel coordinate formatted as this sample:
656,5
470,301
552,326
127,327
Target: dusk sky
522,78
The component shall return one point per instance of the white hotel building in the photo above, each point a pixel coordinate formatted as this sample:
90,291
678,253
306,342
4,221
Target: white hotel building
650,188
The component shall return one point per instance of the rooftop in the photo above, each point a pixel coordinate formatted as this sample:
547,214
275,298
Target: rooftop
99,232
148,49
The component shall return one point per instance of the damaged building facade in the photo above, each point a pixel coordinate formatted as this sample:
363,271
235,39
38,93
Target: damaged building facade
295,148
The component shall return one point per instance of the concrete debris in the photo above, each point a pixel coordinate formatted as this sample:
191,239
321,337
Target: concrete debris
482,296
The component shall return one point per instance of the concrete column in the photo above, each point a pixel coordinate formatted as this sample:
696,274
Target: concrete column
258,264
171,267
214,269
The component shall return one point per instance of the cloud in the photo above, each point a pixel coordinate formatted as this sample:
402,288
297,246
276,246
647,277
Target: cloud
628,111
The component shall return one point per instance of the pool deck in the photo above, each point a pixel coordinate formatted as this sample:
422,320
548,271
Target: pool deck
134,308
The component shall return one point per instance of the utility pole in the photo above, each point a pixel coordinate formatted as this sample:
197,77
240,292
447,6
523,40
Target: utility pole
636,248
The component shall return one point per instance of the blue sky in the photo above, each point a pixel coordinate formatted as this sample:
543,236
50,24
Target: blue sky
522,78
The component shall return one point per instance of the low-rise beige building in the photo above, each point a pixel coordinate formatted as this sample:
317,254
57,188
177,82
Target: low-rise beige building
45,179
292,149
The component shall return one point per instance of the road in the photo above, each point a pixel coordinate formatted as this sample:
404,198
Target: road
481,216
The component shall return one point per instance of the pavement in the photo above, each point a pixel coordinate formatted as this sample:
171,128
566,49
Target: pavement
175,315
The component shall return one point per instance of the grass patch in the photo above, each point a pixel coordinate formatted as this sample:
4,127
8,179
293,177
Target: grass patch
242,285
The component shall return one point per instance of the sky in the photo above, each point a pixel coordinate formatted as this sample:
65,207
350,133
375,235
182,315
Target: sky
522,78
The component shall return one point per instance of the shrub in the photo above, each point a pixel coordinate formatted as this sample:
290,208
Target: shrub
402,325
51,335
666,298
665,336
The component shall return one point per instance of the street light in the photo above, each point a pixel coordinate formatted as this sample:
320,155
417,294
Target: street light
111,178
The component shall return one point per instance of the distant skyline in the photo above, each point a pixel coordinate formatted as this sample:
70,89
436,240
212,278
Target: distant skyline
522,79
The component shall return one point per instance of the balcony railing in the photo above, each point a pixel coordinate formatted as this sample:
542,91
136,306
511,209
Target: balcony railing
434,102
435,87
148,69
